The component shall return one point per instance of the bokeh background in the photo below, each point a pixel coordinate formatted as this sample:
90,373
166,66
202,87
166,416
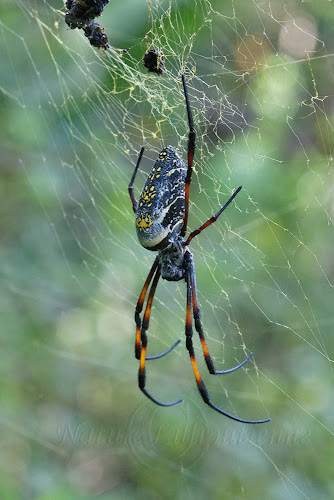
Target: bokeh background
73,423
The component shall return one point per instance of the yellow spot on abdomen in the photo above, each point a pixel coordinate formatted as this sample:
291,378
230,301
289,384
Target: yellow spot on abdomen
144,222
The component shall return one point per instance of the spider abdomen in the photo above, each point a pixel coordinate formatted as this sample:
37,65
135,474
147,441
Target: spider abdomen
161,206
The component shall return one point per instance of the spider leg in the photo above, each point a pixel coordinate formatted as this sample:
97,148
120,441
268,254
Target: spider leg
130,188
199,327
191,151
143,338
139,308
212,219
189,344
157,356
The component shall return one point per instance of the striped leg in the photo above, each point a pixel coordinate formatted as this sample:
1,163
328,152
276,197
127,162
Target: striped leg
199,328
143,339
191,152
139,308
189,344
212,219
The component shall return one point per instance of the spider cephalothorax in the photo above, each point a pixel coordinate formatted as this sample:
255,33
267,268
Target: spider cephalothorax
161,223
171,260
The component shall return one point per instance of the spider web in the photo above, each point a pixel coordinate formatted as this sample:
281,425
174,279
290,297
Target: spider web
260,80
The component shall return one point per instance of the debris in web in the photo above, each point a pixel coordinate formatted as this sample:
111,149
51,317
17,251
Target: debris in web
81,14
154,60
96,35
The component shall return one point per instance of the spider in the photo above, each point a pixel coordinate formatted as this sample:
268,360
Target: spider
161,223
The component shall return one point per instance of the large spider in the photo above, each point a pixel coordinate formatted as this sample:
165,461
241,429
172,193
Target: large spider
161,223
